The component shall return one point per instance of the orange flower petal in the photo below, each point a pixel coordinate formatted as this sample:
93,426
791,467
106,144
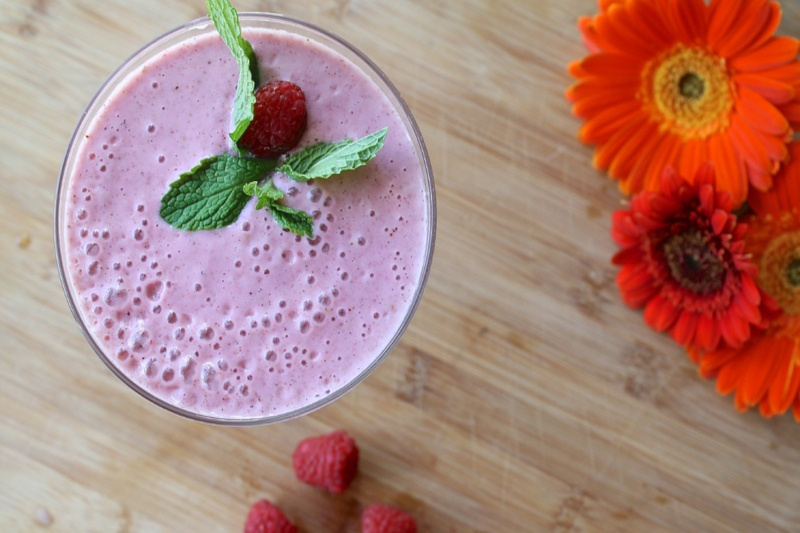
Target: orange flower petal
664,154
575,69
730,170
621,88
770,26
729,376
711,362
734,330
762,114
721,15
788,72
786,381
586,27
640,139
775,91
609,66
616,33
593,106
605,123
792,113
605,153
785,193
643,175
757,377
747,143
647,15
760,179
776,148
687,20
691,156
773,53
738,37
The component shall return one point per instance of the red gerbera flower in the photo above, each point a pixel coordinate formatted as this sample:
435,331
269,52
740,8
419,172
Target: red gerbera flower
686,82
682,259
765,372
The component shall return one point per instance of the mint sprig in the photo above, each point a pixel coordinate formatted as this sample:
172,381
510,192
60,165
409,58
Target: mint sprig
213,193
268,195
210,195
323,160
226,20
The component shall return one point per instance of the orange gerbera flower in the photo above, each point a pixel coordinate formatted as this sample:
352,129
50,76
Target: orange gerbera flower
682,259
765,372
685,82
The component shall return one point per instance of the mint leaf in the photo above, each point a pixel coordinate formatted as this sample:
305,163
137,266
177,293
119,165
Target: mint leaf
324,160
268,195
226,20
210,195
298,222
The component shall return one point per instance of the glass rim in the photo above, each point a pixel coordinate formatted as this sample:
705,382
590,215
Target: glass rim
321,36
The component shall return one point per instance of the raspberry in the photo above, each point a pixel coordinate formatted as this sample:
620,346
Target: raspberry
279,120
379,518
327,461
264,517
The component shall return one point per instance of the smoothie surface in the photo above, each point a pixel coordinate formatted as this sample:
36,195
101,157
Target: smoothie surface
247,321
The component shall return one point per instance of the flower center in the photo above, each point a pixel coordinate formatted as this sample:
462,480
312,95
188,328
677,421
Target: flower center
688,91
793,273
691,86
780,271
693,263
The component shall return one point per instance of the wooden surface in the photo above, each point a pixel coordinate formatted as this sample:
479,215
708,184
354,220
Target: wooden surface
524,397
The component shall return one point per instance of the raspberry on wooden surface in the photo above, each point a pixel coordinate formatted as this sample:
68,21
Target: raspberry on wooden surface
266,517
327,461
379,518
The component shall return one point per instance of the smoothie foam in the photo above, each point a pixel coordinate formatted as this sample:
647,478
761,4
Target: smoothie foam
247,323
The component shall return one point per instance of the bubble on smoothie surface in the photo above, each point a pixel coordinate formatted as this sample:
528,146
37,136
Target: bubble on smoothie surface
150,367
115,297
154,291
206,332
208,375
187,368
140,340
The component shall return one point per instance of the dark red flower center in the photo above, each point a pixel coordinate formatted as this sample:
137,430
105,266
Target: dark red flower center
694,263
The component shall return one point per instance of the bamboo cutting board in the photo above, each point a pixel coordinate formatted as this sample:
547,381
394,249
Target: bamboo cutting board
524,397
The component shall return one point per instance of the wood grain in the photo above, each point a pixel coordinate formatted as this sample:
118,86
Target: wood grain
524,397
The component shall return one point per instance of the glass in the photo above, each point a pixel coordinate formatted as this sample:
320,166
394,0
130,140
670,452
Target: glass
132,65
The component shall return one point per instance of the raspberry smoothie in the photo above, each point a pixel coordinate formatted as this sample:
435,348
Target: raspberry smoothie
246,323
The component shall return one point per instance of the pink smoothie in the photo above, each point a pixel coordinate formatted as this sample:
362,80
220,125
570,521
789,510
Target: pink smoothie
247,322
